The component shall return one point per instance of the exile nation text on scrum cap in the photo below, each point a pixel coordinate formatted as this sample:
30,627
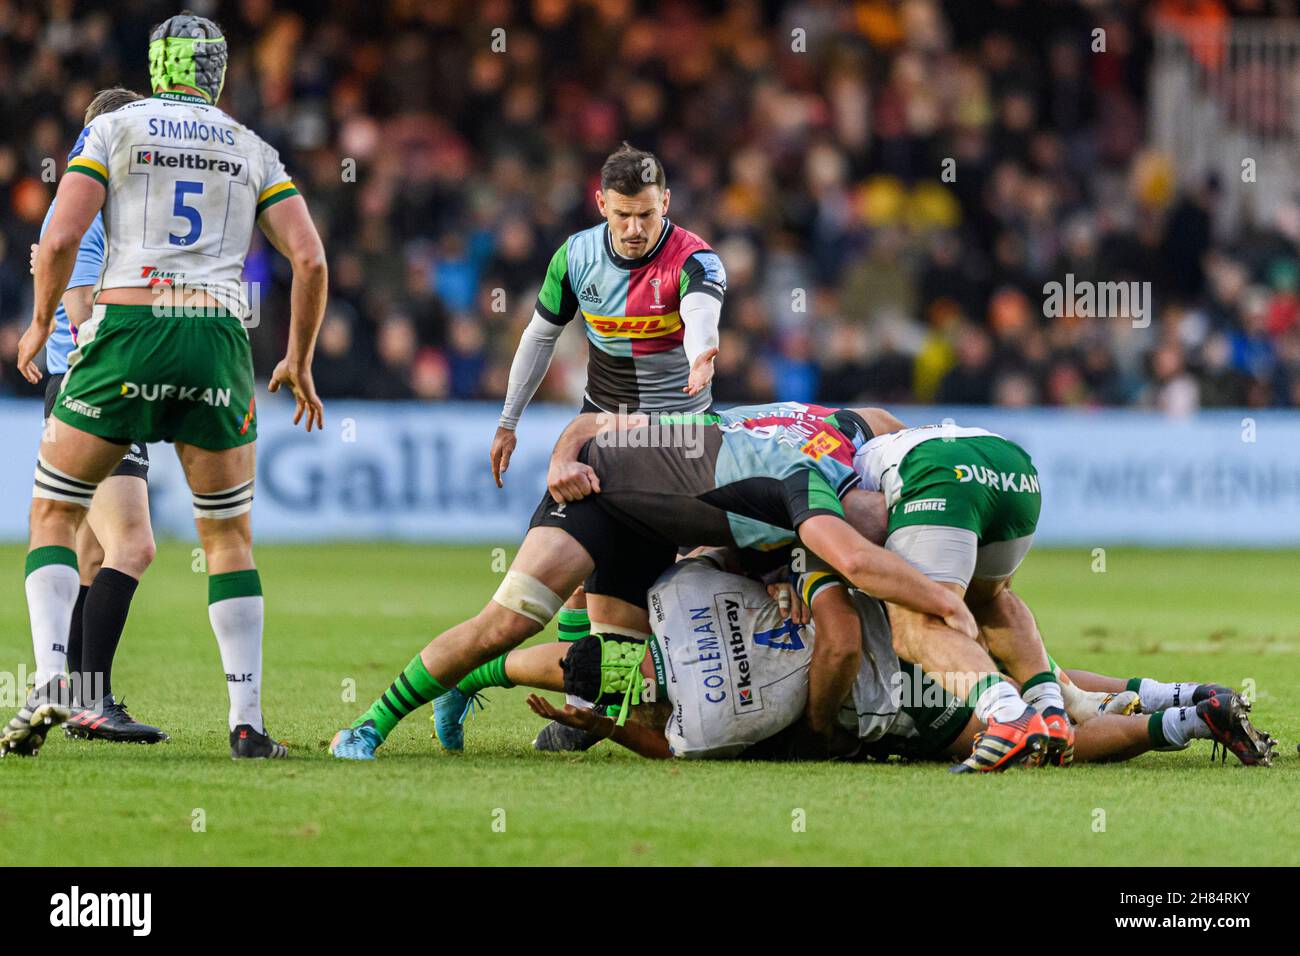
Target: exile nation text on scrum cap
188,50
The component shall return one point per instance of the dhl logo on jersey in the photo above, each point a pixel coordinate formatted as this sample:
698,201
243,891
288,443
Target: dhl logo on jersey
634,328
820,445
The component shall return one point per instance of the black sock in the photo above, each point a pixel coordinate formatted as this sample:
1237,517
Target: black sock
103,618
74,638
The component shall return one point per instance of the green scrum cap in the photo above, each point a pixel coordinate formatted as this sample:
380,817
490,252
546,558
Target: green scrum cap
188,50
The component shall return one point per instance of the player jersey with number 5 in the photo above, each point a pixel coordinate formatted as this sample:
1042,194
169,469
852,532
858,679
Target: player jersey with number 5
185,184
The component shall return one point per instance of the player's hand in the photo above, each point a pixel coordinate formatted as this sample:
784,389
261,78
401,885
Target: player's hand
571,481
29,346
31,266
304,393
579,718
787,598
701,372
503,446
961,620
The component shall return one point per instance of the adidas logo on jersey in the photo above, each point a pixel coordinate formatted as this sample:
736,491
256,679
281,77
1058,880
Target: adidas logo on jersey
589,294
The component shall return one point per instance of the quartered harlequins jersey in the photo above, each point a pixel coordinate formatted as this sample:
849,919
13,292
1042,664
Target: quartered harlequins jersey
631,308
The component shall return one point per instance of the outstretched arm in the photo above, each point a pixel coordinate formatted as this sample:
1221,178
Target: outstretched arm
635,737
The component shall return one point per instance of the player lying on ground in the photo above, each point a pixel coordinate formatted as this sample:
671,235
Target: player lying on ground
115,543
650,295
972,551
726,676
166,362
740,486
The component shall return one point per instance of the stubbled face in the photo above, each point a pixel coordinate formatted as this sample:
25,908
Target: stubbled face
635,222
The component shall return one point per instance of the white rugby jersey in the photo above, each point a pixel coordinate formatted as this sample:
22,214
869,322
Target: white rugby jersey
185,184
877,461
735,669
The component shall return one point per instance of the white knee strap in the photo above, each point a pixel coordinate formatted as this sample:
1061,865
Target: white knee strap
60,486
225,504
528,596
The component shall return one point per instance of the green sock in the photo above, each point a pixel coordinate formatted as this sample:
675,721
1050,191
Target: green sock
1156,731
573,623
491,674
1134,684
414,687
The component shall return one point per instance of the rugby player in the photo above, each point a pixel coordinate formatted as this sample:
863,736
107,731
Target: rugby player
182,187
115,543
712,480
729,673
650,295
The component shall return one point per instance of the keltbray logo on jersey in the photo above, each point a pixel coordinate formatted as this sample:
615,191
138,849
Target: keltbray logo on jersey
185,159
998,480
738,658
156,392
589,294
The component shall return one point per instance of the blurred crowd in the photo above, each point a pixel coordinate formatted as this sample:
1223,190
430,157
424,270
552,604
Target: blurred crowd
890,184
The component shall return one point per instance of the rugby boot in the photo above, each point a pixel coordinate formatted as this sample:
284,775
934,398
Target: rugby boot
110,721
1231,729
46,707
1060,737
1002,745
247,744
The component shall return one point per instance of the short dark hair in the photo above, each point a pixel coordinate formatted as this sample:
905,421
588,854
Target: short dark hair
629,170
113,98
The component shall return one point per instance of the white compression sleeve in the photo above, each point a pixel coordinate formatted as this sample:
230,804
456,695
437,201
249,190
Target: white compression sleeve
700,314
532,359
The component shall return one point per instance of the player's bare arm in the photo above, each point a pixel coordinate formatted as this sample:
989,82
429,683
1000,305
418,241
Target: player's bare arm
636,737
568,479
836,657
289,228
78,199
882,574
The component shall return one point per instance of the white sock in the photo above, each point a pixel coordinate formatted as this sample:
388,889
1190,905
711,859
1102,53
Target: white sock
237,622
1046,694
51,594
999,702
1181,725
1159,696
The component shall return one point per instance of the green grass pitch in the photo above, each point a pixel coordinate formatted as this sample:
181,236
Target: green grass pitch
344,613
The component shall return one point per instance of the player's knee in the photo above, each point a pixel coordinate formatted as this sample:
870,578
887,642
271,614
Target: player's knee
133,552
500,630
50,513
